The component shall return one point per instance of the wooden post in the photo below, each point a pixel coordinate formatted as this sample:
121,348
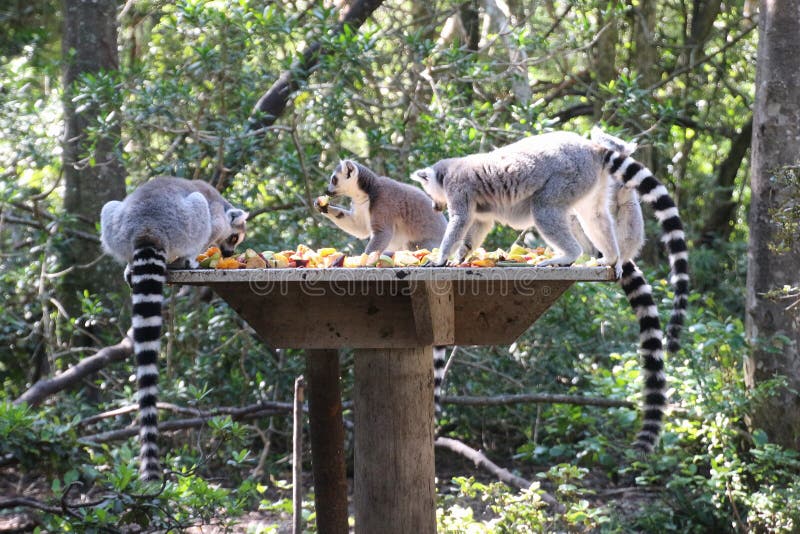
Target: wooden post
327,441
297,458
394,470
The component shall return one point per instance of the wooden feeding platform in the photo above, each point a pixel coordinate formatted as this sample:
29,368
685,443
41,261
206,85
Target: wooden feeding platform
391,317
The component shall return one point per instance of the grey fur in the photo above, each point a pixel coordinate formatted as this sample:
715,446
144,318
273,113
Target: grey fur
166,220
552,180
393,215
183,217
538,181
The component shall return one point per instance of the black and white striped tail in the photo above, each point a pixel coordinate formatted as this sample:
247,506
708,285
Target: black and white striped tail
439,362
634,174
148,274
651,351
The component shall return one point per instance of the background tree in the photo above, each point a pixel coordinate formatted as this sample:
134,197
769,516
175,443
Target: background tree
772,325
92,164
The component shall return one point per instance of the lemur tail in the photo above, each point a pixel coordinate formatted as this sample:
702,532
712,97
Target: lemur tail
148,274
439,361
635,175
640,296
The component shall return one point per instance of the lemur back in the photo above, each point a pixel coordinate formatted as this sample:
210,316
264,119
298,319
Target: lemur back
393,215
545,181
166,221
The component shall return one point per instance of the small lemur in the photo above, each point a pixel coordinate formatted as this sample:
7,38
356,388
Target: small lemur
165,221
543,181
394,215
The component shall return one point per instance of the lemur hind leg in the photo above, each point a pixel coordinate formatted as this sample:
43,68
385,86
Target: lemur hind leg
552,223
599,227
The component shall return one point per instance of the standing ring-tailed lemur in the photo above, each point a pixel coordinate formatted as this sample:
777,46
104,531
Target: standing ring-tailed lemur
542,181
394,215
166,221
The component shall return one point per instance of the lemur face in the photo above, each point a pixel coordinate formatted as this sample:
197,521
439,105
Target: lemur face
432,185
344,180
234,234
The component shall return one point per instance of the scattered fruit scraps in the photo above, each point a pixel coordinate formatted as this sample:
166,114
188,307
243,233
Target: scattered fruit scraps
323,258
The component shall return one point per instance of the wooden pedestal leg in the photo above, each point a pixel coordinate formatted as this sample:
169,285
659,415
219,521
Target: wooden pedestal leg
394,469
327,440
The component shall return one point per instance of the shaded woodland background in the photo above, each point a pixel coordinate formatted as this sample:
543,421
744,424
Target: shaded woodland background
262,99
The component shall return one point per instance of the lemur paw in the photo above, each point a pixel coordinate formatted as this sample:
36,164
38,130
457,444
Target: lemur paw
616,264
321,204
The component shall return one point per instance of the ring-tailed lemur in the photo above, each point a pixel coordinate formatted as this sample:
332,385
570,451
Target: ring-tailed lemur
394,215
165,221
542,181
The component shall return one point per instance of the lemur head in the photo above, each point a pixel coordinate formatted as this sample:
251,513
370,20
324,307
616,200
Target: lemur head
233,233
431,181
344,180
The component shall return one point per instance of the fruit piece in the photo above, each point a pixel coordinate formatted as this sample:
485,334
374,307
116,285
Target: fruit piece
303,250
255,262
372,259
351,262
404,258
384,261
333,260
322,201
421,253
279,261
326,251
212,251
486,262
228,263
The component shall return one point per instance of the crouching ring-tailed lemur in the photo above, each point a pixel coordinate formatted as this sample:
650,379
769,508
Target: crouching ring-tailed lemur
166,221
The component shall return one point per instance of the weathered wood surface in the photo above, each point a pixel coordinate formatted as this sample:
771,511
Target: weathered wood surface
327,441
265,278
394,480
389,308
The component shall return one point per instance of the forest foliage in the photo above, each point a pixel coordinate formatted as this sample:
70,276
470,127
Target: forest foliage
405,89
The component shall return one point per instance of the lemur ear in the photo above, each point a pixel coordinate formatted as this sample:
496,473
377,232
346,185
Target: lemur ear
237,216
421,175
350,168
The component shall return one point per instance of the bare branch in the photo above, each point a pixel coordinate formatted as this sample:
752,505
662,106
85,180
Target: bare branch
27,502
252,411
44,388
273,103
504,475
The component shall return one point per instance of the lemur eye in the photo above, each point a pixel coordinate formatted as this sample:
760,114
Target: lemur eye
334,179
233,239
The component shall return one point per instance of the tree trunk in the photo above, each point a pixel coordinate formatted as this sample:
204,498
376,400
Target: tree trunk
93,171
645,62
774,330
604,55
719,223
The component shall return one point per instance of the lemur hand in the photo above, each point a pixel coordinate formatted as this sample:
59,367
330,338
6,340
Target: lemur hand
321,203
